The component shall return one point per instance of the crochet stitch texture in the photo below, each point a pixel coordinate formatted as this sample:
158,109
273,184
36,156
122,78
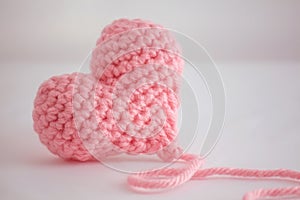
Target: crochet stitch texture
127,104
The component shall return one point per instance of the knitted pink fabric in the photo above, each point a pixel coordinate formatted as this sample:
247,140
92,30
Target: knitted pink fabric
128,104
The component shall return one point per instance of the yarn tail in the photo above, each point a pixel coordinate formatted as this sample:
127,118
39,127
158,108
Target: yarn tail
167,178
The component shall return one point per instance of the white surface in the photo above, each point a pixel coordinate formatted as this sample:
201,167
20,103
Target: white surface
261,131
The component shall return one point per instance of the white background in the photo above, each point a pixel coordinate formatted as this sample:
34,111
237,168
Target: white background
255,44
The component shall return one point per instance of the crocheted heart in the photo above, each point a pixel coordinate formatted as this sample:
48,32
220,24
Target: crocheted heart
128,104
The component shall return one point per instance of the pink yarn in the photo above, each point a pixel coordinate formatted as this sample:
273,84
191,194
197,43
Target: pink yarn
57,102
53,118
149,123
167,178
127,44
128,104
73,114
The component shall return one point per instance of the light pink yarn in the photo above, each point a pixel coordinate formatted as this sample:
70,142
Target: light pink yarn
157,180
57,102
157,65
53,118
127,44
117,109
74,119
143,52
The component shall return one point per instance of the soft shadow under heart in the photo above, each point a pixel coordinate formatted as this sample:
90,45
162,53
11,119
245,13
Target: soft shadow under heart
55,161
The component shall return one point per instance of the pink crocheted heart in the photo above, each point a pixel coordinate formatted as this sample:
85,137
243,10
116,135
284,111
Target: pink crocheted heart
130,107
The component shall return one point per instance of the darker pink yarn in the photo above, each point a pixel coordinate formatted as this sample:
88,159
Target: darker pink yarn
118,109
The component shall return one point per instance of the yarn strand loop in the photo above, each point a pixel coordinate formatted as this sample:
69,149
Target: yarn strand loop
167,178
